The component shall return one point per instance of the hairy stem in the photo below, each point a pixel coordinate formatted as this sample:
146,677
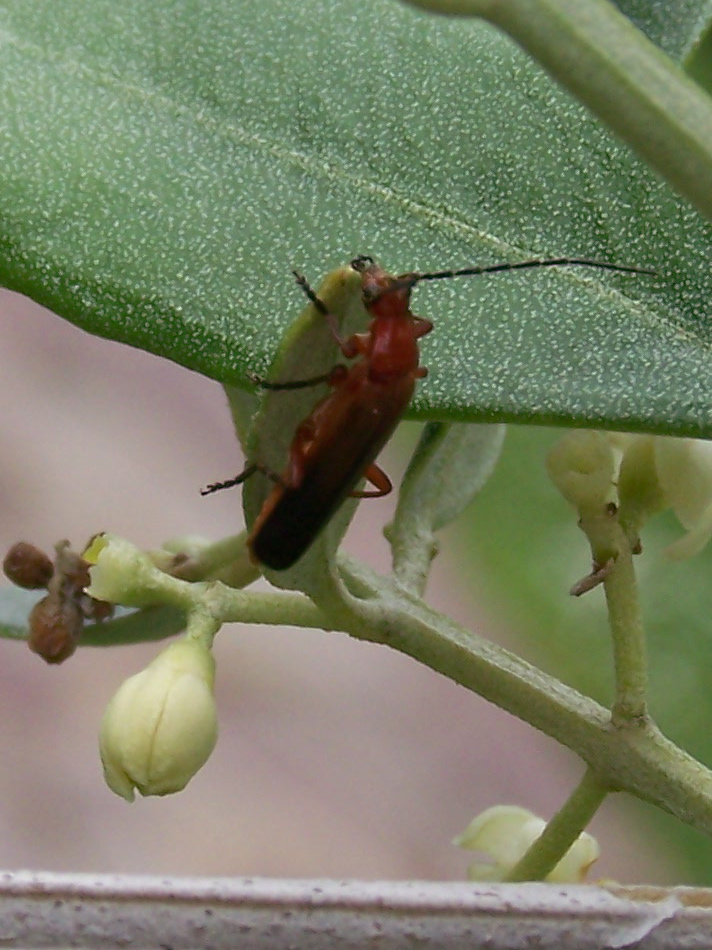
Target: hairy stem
628,638
639,760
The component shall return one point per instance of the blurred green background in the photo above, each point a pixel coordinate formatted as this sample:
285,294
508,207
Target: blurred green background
530,551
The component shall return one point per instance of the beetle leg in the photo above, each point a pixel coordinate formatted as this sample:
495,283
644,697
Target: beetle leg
357,344
376,476
292,384
321,307
421,326
335,375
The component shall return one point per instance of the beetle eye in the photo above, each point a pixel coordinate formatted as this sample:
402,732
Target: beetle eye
370,291
362,263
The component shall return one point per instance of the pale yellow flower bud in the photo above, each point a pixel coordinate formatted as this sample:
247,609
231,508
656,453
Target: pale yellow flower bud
582,465
640,493
641,475
684,469
161,725
506,832
121,572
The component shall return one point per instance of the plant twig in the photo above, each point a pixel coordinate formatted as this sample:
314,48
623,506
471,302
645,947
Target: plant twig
561,832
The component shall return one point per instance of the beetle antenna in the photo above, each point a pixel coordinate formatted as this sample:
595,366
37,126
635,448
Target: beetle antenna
230,482
521,265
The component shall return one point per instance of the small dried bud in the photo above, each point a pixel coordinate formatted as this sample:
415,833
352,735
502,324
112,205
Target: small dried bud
55,627
95,610
73,568
70,580
27,566
55,622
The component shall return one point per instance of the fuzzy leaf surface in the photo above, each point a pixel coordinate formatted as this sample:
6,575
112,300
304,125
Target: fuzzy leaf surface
165,165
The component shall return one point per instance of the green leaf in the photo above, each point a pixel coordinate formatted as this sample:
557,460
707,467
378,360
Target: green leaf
243,406
134,626
449,467
127,626
166,164
15,606
699,62
676,26
601,58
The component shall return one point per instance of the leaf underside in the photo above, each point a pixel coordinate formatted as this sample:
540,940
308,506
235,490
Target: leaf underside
166,165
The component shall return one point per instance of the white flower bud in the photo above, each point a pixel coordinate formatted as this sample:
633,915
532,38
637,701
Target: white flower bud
642,475
122,573
161,725
506,832
582,465
639,490
685,472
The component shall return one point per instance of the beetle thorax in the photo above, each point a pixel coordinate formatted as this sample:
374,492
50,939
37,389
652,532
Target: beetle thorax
394,351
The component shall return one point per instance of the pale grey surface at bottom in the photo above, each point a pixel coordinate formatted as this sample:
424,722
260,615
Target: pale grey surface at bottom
103,911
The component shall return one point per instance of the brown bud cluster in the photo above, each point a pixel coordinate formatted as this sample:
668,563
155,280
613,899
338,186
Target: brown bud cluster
55,622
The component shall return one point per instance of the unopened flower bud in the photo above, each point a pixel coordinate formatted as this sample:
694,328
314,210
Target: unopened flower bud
684,469
161,725
506,832
639,490
582,465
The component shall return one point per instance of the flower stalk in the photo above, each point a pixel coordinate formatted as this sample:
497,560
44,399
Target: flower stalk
562,831
627,638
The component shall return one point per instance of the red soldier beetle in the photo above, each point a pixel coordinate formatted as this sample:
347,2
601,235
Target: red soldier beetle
336,446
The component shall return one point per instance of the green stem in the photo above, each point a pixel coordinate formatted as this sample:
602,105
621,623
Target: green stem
610,546
561,832
202,626
628,638
293,610
598,55
236,606
227,605
218,556
611,550
358,601
226,560
641,761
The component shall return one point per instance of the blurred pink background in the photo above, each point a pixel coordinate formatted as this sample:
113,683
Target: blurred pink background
335,758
